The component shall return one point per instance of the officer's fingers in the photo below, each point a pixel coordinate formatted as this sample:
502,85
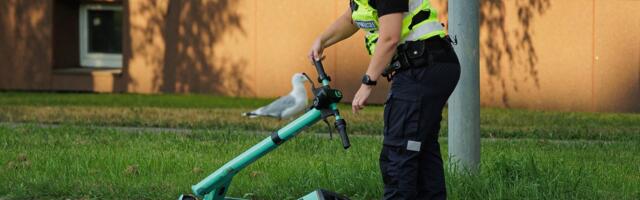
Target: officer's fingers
357,103
354,110
311,55
316,55
360,104
319,57
354,105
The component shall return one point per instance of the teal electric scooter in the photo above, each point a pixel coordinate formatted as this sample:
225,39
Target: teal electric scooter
216,185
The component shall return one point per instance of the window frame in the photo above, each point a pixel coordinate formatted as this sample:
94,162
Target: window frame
95,60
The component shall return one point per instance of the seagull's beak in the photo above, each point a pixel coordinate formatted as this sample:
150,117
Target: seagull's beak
306,77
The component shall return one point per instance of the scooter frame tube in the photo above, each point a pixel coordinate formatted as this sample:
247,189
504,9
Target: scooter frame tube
218,180
215,186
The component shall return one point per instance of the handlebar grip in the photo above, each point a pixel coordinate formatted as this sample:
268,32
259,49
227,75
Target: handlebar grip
322,75
341,125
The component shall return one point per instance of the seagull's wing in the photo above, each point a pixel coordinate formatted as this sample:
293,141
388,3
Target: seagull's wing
276,108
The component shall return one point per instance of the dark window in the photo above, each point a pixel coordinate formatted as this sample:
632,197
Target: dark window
104,31
100,35
87,33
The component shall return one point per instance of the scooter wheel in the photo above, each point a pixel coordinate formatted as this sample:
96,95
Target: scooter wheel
187,197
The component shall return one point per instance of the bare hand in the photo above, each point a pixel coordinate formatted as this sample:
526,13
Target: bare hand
361,98
315,54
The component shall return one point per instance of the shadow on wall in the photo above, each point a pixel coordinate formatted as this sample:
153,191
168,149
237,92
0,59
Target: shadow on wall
497,46
189,31
508,50
24,42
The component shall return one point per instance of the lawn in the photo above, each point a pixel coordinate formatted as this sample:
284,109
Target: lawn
102,146
213,112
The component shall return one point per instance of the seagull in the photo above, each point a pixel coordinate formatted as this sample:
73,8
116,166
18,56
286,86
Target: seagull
285,106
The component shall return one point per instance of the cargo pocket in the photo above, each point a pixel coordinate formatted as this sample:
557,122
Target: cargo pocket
402,121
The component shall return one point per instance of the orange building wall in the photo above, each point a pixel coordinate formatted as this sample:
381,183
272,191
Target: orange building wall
537,54
616,71
580,55
25,44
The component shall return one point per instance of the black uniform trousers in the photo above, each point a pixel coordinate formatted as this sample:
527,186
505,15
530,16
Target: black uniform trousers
410,160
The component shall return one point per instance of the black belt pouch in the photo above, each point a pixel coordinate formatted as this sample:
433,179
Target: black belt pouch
413,54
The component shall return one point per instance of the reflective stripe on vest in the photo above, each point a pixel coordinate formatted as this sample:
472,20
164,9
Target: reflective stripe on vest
414,4
429,27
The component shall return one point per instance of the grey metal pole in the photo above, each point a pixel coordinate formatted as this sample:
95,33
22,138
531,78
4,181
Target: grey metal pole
464,103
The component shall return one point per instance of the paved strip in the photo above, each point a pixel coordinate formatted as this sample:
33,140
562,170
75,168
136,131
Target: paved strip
138,130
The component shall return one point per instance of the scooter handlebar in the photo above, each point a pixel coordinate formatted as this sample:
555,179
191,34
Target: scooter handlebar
341,125
322,75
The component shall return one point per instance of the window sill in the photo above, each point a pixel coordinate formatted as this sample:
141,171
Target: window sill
90,71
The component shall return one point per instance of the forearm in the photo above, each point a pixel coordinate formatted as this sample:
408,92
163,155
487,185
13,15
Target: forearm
385,49
341,29
381,58
390,28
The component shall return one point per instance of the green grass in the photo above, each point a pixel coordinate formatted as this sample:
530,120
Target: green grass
90,155
70,162
213,112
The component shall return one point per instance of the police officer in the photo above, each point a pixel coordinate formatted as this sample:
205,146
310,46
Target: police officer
406,36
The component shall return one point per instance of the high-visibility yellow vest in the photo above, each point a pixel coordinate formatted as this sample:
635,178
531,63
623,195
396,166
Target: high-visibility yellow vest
421,22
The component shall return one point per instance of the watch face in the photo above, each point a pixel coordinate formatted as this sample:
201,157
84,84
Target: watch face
365,79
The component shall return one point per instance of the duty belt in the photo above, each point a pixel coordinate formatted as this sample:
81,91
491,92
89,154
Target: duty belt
415,54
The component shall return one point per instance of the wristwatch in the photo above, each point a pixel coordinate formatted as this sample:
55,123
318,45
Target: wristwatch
367,80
